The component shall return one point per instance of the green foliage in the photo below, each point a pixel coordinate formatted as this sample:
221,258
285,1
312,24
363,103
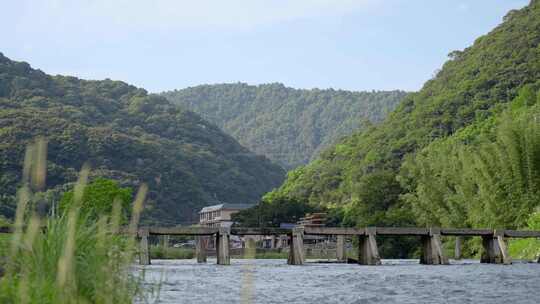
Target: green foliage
98,272
360,173
272,211
160,252
4,222
491,180
4,246
127,135
287,125
98,199
527,248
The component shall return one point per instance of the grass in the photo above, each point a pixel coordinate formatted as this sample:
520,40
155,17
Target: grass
528,249
525,249
271,255
69,258
4,245
160,252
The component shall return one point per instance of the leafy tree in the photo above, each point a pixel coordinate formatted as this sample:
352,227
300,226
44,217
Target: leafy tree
486,175
272,211
99,198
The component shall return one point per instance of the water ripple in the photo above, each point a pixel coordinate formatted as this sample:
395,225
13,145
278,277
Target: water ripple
394,282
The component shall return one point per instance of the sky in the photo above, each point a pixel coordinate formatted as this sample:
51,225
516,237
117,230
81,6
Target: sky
172,44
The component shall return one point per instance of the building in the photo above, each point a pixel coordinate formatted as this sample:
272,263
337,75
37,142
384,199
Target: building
219,215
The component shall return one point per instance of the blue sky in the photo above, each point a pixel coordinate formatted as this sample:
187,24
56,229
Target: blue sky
167,44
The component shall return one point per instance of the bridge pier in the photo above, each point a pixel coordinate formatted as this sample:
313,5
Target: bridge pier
144,250
200,248
495,249
296,249
222,246
432,253
341,254
368,252
457,250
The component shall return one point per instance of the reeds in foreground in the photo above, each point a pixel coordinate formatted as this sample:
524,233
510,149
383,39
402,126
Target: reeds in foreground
69,258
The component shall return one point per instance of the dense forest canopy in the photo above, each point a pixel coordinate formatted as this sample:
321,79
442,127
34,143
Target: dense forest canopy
478,122
485,175
126,135
289,126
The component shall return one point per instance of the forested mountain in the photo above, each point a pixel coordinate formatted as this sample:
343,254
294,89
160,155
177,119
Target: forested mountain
289,126
126,135
483,175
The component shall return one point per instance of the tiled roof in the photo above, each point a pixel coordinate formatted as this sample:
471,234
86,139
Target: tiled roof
225,206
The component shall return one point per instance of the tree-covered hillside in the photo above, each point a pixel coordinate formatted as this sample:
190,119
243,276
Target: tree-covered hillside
358,176
484,175
126,135
289,126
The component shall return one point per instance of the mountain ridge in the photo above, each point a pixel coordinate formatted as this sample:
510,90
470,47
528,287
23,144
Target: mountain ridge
290,126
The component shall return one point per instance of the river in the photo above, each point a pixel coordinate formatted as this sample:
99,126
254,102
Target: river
396,281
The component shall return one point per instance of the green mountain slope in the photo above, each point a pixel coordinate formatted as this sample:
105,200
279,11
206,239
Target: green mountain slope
484,175
287,125
128,135
358,175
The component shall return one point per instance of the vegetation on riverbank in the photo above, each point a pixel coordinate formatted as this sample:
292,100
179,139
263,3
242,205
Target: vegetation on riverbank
72,257
527,248
160,252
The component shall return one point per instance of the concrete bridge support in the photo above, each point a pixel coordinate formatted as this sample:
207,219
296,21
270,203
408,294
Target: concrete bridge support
432,253
144,249
296,251
495,249
457,250
368,252
341,253
200,248
222,246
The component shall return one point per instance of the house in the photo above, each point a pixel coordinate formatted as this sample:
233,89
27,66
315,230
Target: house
219,215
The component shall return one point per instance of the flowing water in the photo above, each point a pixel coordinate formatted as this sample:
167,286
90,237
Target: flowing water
396,281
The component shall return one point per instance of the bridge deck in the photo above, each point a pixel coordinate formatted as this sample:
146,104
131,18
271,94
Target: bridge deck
522,234
380,231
